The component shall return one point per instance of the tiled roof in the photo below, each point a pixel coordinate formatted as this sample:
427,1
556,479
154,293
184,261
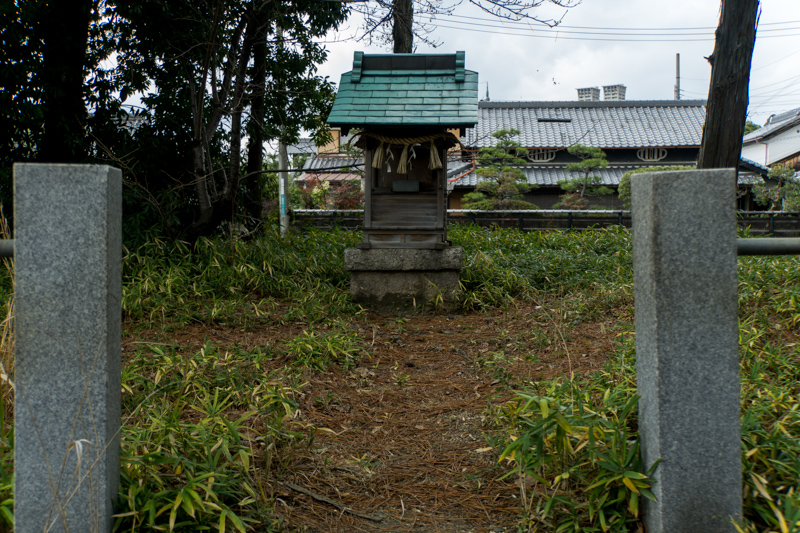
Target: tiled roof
131,122
329,176
304,145
457,168
763,169
776,124
330,162
550,175
604,124
407,90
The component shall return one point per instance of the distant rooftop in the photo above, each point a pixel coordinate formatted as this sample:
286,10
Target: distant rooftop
604,124
775,124
304,145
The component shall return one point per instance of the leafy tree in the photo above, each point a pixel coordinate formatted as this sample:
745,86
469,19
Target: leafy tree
65,33
314,194
578,189
206,73
782,190
210,74
20,91
503,183
750,126
44,63
317,194
348,195
624,188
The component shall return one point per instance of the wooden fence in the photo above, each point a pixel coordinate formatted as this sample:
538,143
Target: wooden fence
780,224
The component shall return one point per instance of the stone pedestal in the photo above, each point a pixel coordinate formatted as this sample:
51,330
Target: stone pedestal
399,279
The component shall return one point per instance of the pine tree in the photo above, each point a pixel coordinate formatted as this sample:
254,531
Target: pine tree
503,183
578,189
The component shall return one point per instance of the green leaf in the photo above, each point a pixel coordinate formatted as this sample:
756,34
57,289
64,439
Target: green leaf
186,503
222,516
173,514
633,505
602,517
237,522
628,483
7,514
634,475
562,423
544,408
647,494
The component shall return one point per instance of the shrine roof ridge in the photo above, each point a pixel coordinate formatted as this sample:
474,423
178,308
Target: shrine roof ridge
407,90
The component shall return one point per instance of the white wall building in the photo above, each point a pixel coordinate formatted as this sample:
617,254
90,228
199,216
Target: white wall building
777,142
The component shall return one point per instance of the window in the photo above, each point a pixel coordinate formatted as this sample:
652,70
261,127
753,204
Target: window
541,155
651,154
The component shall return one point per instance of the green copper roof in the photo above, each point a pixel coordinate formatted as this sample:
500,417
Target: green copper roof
407,90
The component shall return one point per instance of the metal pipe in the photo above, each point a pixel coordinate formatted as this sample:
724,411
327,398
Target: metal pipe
7,248
771,246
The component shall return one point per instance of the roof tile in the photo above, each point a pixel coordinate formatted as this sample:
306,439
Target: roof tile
550,175
624,124
427,93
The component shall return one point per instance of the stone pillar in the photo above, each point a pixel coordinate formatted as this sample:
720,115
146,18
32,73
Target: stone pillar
68,286
685,278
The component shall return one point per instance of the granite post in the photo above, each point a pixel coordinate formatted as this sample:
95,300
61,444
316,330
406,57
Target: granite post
685,279
68,259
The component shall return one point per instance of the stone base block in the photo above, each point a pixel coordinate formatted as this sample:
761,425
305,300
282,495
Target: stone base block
399,280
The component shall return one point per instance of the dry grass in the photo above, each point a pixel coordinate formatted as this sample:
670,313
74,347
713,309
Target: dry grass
7,335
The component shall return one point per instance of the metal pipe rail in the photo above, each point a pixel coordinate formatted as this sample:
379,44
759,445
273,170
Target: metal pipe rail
6,247
770,246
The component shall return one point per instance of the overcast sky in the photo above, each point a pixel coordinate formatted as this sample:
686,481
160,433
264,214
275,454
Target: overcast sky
606,42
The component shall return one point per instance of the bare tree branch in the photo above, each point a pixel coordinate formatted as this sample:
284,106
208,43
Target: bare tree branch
386,21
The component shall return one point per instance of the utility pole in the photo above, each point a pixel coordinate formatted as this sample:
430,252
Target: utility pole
283,164
283,185
677,76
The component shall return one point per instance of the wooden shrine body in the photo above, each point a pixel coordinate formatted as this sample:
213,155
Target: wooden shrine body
407,210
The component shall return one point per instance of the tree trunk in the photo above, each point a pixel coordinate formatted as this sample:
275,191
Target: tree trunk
402,34
255,149
211,211
726,108
65,33
231,189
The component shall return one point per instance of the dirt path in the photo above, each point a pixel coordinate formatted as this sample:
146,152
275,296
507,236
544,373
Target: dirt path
400,445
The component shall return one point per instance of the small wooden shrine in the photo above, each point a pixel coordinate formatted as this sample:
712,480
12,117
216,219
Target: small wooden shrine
410,110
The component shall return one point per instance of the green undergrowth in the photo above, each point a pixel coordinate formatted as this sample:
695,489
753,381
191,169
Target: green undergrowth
204,437
504,265
209,433
302,277
573,443
240,282
769,317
